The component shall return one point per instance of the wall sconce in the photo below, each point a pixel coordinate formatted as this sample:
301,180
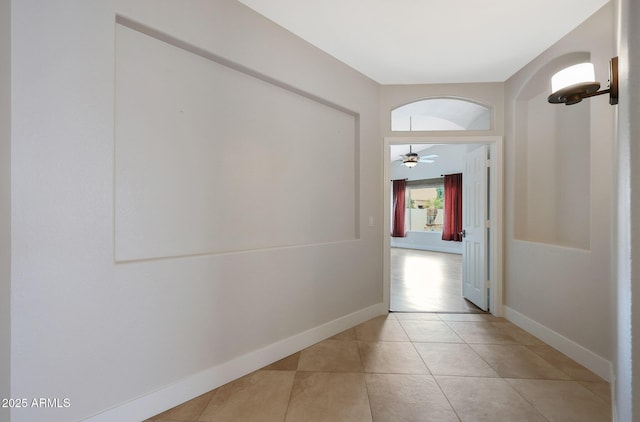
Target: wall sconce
576,82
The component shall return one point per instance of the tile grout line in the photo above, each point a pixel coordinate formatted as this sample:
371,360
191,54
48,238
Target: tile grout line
436,379
503,330
364,378
212,393
431,373
364,374
447,398
571,378
524,398
470,345
293,382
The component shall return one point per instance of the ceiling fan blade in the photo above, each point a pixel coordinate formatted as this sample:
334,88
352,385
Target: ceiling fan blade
427,161
430,156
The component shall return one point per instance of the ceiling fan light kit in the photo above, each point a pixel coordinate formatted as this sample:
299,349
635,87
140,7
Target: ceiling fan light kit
412,159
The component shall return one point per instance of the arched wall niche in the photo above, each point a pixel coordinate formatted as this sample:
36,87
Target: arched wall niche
441,114
552,157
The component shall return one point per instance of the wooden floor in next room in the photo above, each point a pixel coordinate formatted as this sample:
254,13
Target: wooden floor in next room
426,281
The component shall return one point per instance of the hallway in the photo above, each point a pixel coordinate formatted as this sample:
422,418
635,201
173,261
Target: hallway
425,281
412,367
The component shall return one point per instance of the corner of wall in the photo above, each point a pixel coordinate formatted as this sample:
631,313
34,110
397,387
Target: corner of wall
5,204
626,393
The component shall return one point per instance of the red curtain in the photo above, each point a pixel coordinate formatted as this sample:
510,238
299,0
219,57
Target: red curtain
452,207
399,188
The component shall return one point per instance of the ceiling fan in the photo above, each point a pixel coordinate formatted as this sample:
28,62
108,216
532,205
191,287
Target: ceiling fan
411,159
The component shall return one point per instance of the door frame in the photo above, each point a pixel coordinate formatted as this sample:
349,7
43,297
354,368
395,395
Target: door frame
496,208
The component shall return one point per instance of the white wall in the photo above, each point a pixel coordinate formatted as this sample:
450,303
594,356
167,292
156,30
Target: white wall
426,241
155,332
626,219
5,203
563,290
195,138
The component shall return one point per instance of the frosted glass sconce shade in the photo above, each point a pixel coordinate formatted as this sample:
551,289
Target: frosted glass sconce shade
576,82
582,73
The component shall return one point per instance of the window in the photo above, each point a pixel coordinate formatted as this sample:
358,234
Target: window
440,114
425,205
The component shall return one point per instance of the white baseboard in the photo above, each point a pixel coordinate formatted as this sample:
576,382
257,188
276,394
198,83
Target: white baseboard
158,401
580,354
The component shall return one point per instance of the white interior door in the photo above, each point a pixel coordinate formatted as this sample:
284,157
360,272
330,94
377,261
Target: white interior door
474,216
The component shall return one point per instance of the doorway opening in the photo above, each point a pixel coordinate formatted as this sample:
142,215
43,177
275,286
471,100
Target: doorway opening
422,273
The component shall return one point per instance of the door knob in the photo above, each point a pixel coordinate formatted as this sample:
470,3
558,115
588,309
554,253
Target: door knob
463,233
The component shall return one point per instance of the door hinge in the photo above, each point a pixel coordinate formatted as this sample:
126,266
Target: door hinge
487,224
487,163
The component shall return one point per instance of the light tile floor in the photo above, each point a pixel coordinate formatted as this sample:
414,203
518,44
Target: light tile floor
412,367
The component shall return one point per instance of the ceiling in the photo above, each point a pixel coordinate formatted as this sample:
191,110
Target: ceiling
429,41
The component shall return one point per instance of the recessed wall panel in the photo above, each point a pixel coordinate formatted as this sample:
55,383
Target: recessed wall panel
553,170
210,159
